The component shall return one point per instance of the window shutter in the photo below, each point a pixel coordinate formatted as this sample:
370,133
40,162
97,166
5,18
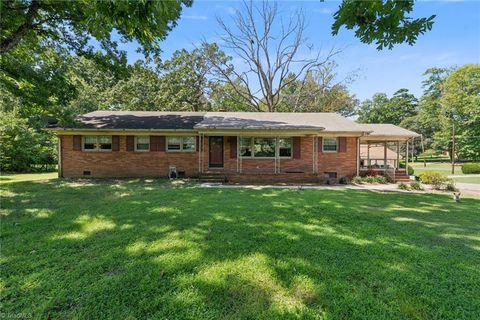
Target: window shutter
130,143
77,143
296,147
198,143
154,143
115,143
320,144
161,143
233,147
342,144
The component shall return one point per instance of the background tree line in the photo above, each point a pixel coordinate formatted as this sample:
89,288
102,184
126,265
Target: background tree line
61,59
450,102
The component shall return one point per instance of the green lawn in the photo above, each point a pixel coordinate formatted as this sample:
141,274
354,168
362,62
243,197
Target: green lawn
446,169
149,250
6,178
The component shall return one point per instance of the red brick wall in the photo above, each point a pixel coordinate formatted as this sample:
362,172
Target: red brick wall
124,163
156,164
343,163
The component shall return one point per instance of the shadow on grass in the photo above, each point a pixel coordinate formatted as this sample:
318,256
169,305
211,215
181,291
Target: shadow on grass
145,249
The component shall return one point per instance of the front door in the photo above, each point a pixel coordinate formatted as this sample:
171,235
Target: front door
215,152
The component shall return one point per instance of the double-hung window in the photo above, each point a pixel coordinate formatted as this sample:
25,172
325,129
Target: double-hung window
97,143
264,147
186,144
142,143
256,147
285,147
330,144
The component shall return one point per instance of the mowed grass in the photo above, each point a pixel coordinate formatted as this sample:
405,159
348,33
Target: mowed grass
446,170
152,250
8,177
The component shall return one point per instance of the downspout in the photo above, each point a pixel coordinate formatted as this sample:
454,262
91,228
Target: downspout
358,156
60,155
238,153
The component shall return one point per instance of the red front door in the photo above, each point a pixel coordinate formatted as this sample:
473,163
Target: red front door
215,152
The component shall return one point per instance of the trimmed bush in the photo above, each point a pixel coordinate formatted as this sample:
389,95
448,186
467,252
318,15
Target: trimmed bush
451,187
371,179
410,169
381,179
469,168
357,180
435,179
343,180
402,186
415,185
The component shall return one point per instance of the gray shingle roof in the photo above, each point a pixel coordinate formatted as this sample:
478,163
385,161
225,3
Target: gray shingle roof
140,120
278,120
154,120
384,129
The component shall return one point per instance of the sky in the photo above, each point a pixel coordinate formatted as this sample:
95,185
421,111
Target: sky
453,41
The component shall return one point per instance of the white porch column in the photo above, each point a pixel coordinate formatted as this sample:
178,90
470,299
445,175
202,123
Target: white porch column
385,155
368,155
398,156
406,157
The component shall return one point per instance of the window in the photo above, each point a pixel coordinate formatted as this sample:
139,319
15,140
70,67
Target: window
264,148
285,147
246,147
181,143
188,143
97,143
330,144
142,144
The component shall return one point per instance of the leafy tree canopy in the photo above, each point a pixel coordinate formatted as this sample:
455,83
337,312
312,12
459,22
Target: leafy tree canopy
461,107
383,22
381,109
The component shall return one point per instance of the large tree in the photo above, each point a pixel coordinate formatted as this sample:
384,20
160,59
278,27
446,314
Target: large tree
383,22
268,50
73,24
319,91
381,109
460,104
39,36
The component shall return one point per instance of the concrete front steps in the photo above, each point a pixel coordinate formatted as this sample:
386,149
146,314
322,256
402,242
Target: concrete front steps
212,178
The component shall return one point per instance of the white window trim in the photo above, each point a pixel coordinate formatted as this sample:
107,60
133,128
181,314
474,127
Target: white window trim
291,148
277,148
97,149
136,141
329,151
181,144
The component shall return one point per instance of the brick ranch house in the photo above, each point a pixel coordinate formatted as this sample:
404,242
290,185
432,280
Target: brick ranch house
239,146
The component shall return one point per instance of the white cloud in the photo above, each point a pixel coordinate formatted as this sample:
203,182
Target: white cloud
323,11
227,9
195,17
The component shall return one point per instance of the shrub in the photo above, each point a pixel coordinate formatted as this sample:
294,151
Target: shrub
357,180
343,180
410,170
468,168
381,179
415,185
451,187
435,179
402,186
369,179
